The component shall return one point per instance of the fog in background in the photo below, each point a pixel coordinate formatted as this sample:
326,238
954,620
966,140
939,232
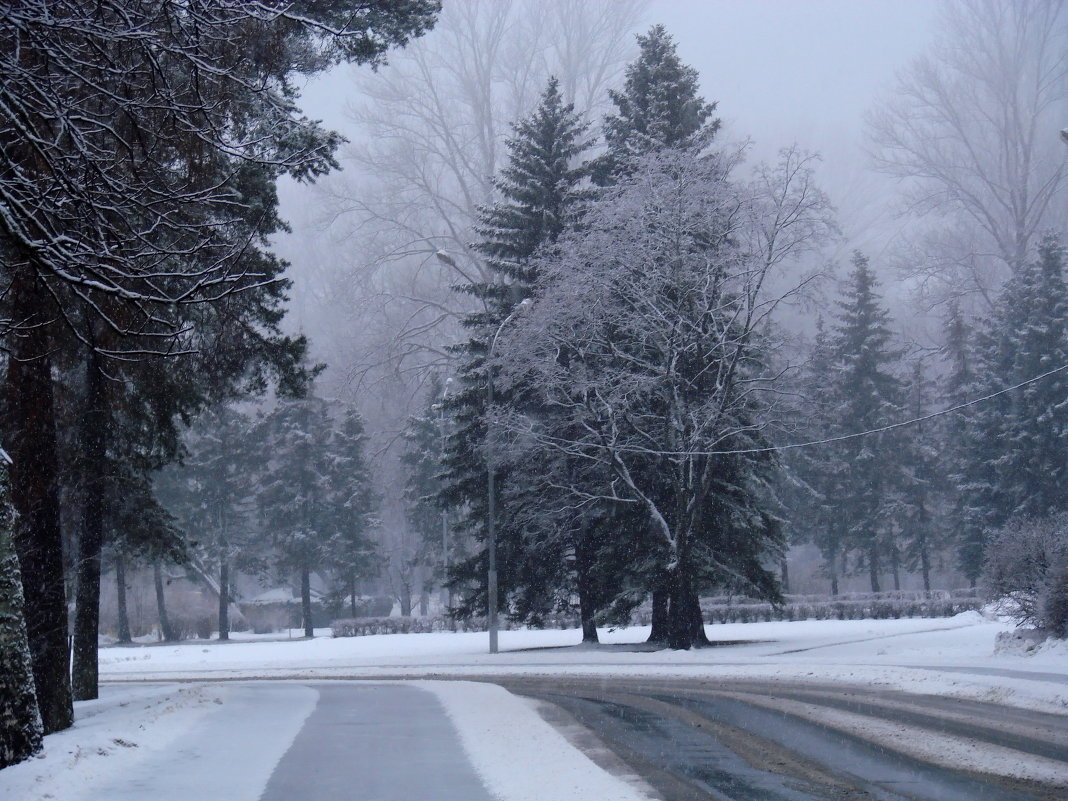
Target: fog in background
426,134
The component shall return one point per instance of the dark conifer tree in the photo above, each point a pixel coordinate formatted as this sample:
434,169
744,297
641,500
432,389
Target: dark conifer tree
541,191
869,395
659,106
20,719
815,474
1017,443
923,484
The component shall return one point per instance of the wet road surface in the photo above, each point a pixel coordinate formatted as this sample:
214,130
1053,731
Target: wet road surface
761,741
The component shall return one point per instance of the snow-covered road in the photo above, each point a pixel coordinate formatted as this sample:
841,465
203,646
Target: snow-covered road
148,731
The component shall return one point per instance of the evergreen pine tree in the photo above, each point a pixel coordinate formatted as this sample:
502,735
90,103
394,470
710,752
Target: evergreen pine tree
816,473
1017,446
350,552
923,483
868,395
314,492
210,495
540,195
659,106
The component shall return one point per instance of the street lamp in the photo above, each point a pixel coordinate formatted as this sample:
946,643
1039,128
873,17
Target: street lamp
440,408
491,517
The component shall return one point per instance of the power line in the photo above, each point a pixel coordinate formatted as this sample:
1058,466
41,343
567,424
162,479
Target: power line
890,427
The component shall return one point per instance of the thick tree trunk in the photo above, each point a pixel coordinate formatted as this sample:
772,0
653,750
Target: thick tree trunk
925,565
20,718
660,624
784,574
832,573
120,595
305,602
224,596
161,603
697,620
586,593
680,621
31,442
895,567
93,447
873,566
352,595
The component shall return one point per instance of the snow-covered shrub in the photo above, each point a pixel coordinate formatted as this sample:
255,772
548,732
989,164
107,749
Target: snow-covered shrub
1026,568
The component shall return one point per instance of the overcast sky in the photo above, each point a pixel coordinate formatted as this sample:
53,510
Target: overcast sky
782,71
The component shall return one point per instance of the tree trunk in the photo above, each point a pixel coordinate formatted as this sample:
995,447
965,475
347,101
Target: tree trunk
31,442
224,596
832,570
680,623
925,565
20,718
873,566
784,574
698,637
405,596
895,567
161,603
120,596
352,595
305,601
659,629
93,447
584,582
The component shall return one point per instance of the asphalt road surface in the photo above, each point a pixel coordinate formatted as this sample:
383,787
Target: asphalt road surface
763,741
375,742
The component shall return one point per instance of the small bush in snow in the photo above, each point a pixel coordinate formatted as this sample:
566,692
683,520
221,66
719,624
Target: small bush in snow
1026,566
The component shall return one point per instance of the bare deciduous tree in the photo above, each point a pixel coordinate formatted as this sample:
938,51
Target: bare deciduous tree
972,131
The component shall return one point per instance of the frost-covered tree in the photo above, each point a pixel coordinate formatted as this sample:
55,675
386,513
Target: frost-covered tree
644,342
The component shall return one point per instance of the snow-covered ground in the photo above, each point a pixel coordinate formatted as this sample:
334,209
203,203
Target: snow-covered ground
137,726
892,653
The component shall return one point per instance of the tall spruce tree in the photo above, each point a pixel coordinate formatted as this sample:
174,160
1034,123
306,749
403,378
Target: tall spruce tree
314,492
816,473
868,395
659,106
923,485
960,525
1017,449
541,191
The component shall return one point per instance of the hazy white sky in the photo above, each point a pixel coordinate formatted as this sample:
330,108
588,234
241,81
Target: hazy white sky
782,71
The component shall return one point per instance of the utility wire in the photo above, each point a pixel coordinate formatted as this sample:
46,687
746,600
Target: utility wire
881,429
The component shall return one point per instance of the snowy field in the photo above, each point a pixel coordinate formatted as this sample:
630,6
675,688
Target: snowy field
145,721
893,653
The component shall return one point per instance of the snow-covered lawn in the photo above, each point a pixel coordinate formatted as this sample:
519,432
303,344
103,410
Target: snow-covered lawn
137,727
892,653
